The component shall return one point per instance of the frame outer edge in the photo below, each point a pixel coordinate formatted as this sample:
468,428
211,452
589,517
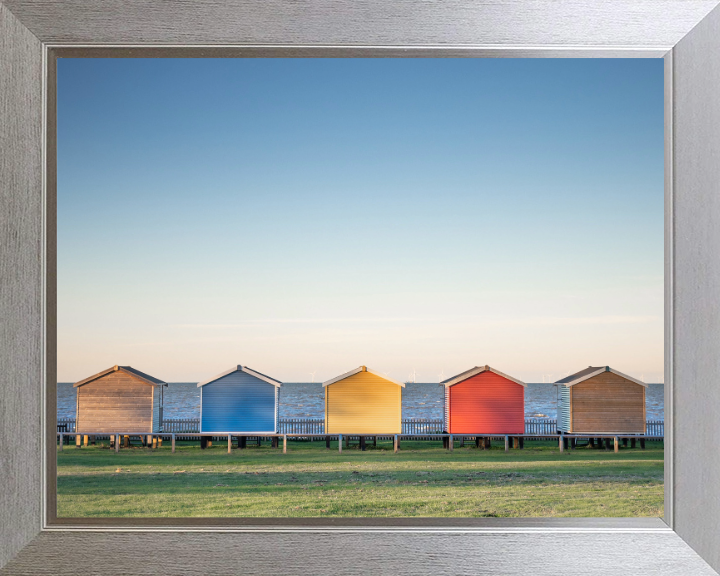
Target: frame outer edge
20,301
367,22
696,360
21,354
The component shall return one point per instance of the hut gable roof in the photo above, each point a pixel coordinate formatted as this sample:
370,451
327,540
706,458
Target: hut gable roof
245,369
357,371
474,372
146,378
592,371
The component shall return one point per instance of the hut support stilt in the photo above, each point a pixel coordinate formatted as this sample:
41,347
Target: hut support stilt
561,443
284,443
173,443
507,443
340,441
362,443
61,441
633,443
451,443
229,443
642,443
78,440
117,443
616,444
396,444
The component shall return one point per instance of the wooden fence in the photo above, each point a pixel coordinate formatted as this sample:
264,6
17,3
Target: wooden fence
317,426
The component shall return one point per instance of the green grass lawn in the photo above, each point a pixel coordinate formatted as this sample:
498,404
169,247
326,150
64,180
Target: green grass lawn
422,480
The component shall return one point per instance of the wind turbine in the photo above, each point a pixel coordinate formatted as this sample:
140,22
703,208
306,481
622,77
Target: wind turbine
312,375
441,376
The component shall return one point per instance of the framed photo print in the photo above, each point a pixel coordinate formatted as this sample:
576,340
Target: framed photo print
359,288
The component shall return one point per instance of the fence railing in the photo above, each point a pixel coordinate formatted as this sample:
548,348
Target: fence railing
301,426
317,426
422,426
655,428
66,425
540,426
181,425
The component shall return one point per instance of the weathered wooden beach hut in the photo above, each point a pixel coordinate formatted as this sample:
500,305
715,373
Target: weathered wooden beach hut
601,400
239,400
119,399
483,400
363,402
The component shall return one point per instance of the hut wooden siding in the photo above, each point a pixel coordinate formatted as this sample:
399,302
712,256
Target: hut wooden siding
118,401
606,403
363,403
485,403
239,401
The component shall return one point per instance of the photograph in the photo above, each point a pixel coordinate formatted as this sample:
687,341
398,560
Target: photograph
360,287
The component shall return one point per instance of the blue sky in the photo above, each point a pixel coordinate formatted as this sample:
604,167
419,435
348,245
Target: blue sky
306,216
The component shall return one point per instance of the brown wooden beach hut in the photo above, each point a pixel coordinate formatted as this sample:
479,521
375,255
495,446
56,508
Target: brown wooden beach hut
601,400
119,399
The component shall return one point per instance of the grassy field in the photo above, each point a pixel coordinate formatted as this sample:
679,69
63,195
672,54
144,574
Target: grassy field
421,480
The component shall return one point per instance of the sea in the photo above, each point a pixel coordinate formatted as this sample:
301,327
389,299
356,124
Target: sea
307,400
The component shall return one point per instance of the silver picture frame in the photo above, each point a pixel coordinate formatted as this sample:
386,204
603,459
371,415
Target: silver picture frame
686,33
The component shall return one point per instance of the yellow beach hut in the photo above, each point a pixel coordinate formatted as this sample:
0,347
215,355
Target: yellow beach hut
363,402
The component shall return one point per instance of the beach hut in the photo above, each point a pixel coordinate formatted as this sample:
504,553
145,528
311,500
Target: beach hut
119,399
239,400
483,400
601,400
363,402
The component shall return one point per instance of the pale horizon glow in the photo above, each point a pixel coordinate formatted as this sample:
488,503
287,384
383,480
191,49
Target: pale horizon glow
304,217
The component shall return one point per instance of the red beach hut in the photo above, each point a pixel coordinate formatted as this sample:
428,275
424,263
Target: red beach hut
483,400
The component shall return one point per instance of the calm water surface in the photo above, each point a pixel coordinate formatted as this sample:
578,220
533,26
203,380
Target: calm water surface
306,400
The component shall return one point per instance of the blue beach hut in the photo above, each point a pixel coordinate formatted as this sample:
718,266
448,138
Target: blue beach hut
240,400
